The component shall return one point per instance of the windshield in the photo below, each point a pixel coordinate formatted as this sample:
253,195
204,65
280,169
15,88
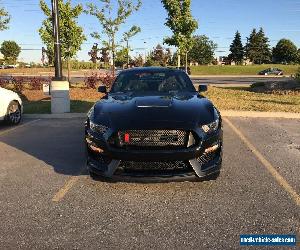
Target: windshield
164,82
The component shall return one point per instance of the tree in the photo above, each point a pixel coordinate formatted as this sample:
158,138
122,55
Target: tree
236,49
182,24
11,51
161,56
150,62
250,47
285,51
4,19
257,48
111,23
265,54
203,50
71,34
138,61
167,59
127,35
93,53
122,57
104,56
158,54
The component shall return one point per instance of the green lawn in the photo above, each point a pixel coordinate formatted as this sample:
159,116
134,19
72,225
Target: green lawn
224,98
240,70
241,98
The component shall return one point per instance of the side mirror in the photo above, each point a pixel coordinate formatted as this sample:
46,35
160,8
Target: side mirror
102,89
202,88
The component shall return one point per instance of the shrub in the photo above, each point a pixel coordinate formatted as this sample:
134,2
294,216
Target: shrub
107,80
91,81
297,76
36,83
95,79
18,83
77,65
257,84
4,83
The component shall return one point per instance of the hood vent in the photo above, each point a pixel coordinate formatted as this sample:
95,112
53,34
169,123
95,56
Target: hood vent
154,102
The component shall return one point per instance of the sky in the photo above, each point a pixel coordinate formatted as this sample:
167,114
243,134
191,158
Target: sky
218,19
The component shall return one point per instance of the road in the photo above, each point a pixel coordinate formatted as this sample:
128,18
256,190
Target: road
236,80
47,200
212,80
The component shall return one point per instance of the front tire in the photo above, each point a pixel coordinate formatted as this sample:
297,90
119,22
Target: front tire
14,113
94,176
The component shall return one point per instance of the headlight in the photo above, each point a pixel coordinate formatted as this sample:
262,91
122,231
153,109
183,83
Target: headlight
98,128
212,127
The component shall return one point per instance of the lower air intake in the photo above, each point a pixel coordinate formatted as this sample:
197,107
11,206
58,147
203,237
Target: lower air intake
153,166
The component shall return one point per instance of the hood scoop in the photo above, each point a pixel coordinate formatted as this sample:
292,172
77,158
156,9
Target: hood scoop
154,102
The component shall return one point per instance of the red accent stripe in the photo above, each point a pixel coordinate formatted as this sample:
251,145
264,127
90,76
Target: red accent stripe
127,138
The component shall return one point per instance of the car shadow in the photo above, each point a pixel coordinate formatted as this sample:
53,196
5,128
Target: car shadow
152,180
57,142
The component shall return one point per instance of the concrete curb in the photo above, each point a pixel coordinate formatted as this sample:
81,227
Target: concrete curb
225,113
55,116
238,76
257,114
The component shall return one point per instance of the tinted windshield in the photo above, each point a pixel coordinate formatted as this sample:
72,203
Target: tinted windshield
152,82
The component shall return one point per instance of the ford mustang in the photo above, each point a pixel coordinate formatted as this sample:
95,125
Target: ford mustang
153,123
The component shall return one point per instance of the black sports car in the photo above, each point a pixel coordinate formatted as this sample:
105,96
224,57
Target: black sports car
153,123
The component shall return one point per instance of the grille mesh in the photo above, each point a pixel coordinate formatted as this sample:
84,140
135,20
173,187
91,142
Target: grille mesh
154,138
153,166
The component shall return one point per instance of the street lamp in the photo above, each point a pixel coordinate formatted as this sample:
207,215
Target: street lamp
57,47
60,89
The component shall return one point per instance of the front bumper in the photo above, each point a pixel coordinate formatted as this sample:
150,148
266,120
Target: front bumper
107,161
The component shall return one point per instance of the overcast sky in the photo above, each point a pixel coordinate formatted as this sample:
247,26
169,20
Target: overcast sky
218,19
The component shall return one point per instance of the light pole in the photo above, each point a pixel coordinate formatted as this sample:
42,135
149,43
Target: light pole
127,43
57,47
60,89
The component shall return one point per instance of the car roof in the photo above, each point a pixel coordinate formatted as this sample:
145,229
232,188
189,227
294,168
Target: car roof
151,70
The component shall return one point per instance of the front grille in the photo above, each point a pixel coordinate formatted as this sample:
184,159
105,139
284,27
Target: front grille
153,166
153,138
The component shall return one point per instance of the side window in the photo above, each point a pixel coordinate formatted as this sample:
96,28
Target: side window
185,82
119,83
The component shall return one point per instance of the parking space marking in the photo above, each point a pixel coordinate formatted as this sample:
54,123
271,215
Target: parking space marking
65,189
280,180
17,127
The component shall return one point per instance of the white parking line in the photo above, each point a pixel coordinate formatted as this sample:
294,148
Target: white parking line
17,127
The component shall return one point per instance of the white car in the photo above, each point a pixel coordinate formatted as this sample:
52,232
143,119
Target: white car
11,107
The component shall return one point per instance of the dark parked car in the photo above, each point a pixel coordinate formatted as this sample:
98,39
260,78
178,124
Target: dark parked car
271,71
153,123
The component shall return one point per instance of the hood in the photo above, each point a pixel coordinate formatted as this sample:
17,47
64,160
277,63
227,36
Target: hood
162,111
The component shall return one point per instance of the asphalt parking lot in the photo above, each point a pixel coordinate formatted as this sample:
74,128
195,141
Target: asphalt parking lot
47,200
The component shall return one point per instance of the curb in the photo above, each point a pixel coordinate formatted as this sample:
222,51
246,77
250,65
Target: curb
225,113
257,114
239,76
55,116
